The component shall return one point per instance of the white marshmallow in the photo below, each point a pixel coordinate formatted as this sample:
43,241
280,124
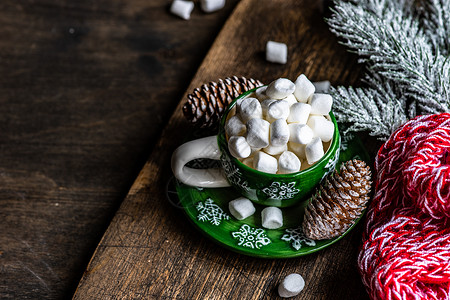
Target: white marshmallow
209,6
321,127
278,109
291,100
260,93
234,126
300,133
299,113
279,133
314,150
303,88
182,8
298,149
288,162
321,104
280,88
241,208
275,150
239,147
265,163
258,133
322,86
249,108
276,52
265,106
291,286
271,217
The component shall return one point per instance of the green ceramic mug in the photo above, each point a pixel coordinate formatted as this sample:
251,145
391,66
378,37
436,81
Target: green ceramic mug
279,190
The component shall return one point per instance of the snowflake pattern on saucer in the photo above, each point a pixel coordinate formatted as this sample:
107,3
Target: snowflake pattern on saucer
281,191
296,237
208,211
250,237
233,174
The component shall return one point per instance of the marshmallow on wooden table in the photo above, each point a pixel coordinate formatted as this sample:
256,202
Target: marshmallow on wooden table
299,113
239,147
261,93
321,127
275,150
265,163
278,109
279,133
209,6
258,133
276,52
234,126
303,88
288,162
314,150
249,108
321,104
322,86
298,149
182,8
241,208
291,286
271,217
280,88
300,133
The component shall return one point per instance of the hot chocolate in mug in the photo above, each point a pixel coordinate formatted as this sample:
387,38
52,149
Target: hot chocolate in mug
280,190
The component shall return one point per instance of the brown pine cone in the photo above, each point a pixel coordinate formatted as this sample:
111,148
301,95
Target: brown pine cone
338,202
205,106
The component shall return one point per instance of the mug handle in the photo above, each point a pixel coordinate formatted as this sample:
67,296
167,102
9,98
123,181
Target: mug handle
201,148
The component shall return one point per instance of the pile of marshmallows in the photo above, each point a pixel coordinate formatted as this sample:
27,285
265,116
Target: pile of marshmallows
282,128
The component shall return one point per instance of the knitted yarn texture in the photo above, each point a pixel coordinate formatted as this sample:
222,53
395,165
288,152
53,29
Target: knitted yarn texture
406,243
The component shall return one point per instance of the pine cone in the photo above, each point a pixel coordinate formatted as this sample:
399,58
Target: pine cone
205,106
338,202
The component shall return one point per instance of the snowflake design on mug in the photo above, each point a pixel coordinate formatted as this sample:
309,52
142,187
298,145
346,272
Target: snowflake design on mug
233,174
250,237
296,237
280,191
209,211
331,165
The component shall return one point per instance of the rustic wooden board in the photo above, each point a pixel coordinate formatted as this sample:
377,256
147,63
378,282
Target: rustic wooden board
150,250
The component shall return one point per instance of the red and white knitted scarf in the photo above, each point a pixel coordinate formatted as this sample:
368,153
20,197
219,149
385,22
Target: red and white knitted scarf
406,244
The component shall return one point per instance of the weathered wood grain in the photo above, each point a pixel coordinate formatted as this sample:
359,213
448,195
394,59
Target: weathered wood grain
150,250
86,87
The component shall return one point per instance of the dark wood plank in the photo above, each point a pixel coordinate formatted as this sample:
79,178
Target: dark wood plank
150,250
86,87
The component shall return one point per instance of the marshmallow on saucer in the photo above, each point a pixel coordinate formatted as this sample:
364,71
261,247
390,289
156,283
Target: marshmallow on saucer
265,163
258,133
303,88
272,217
276,52
182,8
280,88
288,162
241,208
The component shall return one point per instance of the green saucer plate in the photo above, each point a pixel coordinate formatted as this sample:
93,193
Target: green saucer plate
207,209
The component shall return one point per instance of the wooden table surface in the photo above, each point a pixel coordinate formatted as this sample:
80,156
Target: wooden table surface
90,101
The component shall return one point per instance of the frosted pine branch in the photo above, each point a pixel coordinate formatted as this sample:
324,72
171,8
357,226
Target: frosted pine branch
387,36
367,109
436,19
